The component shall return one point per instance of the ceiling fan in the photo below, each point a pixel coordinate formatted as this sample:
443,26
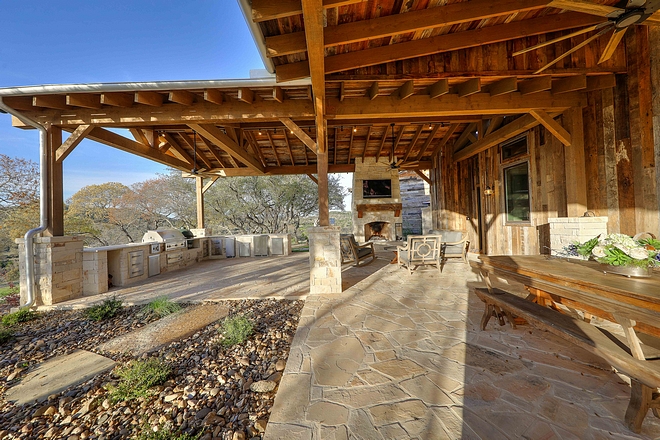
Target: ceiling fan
627,13
395,163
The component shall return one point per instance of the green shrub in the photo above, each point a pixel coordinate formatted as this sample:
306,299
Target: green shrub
5,335
107,309
165,433
137,377
236,330
161,306
23,315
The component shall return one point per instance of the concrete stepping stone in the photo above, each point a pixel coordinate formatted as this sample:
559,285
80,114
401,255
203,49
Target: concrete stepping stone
171,328
57,374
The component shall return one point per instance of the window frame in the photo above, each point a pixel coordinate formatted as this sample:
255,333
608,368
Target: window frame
515,161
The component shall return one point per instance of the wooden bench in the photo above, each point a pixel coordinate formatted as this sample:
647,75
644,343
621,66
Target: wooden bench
644,374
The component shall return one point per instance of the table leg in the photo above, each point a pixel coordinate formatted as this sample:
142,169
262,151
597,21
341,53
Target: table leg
396,258
642,398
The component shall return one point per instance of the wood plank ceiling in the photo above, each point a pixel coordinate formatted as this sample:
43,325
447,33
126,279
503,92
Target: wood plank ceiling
439,70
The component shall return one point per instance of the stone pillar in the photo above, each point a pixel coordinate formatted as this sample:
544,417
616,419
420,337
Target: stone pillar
567,230
58,267
324,260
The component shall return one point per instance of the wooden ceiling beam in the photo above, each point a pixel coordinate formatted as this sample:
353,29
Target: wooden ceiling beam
153,99
272,147
87,100
300,134
213,95
19,102
439,88
413,142
200,156
117,99
503,86
314,179
406,90
278,94
520,125
412,21
57,102
569,84
428,141
288,146
215,135
366,142
469,87
451,105
182,97
552,126
423,176
246,95
141,137
442,43
115,140
372,92
380,148
600,82
465,136
263,10
494,124
313,18
535,85
72,142
450,132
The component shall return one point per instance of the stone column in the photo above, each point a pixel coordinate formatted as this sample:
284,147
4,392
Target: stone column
58,267
324,260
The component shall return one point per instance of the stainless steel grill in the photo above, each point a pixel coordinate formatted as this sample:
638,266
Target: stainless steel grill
173,238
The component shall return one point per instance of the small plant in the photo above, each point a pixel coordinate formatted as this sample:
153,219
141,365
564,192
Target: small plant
137,377
23,315
107,309
5,335
165,433
236,330
161,306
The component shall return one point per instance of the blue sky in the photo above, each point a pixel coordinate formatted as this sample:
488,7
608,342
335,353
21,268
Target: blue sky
67,41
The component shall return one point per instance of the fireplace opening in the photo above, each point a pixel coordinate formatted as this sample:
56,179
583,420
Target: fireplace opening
377,231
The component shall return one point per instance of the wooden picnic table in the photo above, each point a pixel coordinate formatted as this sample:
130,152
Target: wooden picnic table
634,303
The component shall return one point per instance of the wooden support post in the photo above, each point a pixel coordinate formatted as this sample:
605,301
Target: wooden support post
576,180
199,191
322,177
55,186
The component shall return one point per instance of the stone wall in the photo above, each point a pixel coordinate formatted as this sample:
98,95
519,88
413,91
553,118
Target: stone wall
415,196
324,260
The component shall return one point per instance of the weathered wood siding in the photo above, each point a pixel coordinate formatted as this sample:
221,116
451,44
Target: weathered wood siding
621,148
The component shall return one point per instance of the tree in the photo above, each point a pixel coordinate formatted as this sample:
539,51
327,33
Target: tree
19,203
267,204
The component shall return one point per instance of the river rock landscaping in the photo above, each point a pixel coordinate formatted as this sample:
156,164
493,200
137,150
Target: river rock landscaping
213,391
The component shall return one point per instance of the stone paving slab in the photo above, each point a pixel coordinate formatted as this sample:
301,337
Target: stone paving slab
168,329
57,374
402,356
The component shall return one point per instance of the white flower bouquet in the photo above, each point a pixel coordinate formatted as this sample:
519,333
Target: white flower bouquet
622,250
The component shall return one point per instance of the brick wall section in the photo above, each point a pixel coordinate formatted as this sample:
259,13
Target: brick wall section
567,230
58,266
324,260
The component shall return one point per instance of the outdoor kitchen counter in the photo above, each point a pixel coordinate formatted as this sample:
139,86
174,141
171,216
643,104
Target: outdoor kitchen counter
119,265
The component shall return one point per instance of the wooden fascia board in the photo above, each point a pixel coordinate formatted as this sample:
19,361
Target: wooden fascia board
130,146
300,169
172,114
552,126
215,135
72,142
451,105
412,21
443,43
520,125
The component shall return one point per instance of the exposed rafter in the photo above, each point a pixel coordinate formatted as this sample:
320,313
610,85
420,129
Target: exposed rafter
215,135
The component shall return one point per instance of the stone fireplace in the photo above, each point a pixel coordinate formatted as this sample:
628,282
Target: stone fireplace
374,218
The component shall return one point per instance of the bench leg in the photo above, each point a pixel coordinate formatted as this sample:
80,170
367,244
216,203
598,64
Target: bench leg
641,397
488,312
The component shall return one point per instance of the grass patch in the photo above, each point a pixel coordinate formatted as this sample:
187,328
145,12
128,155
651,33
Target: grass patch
23,315
137,377
165,433
236,330
107,309
161,306
5,335
7,291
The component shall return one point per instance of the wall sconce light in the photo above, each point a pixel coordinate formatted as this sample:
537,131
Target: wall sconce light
489,191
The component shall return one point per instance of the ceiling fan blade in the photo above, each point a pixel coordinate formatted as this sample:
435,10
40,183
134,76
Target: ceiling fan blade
586,7
562,38
612,44
574,49
413,164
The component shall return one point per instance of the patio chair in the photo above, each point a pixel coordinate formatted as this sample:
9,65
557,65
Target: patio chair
420,250
454,245
352,251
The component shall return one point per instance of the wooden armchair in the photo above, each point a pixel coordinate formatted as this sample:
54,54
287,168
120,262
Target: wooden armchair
455,244
420,250
352,251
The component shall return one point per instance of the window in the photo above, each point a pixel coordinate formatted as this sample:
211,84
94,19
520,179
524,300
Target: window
516,188
514,148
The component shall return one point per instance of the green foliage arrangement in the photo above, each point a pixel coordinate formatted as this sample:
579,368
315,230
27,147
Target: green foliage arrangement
160,307
5,335
106,310
236,330
23,315
137,377
622,250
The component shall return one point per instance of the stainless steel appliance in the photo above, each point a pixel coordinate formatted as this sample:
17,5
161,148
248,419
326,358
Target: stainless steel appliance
260,245
230,247
172,238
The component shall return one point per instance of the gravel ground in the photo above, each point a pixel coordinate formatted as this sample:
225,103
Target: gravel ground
214,392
